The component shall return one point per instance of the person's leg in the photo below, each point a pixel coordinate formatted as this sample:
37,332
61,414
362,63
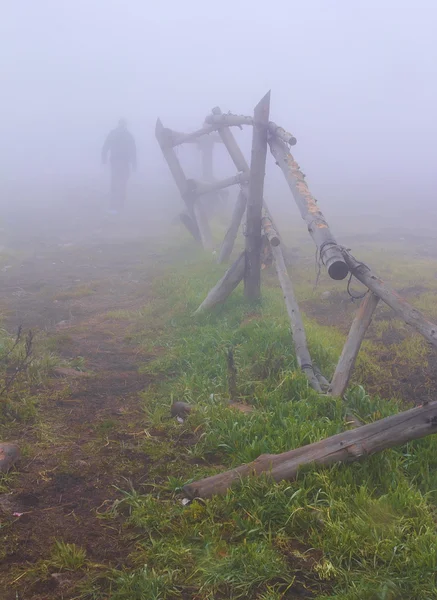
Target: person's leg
124,176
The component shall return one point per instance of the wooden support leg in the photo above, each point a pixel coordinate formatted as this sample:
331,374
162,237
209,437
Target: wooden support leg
352,346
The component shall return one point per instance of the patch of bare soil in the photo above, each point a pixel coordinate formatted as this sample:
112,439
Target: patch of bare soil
86,444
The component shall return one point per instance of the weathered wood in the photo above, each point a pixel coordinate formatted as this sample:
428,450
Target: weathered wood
270,231
231,145
405,311
164,138
297,329
252,276
225,286
191,225
239,120
231,234
344,447
9,454
202,187
203,225
353,343
330,252
185,138
232,376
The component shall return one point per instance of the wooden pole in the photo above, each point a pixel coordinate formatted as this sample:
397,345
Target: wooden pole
164,140
252,276
231,234
344,447
270,231
191,225
297,329
353,343
329,250
225,286
239,120
231,145
405,311
203,187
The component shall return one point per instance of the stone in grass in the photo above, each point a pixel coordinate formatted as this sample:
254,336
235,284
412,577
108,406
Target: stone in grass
9,454
180,409
326,295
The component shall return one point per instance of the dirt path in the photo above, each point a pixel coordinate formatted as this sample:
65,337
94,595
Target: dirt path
83,445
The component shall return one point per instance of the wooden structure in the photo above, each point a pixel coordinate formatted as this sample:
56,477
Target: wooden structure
261,230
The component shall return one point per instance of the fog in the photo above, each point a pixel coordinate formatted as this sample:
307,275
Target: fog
354,81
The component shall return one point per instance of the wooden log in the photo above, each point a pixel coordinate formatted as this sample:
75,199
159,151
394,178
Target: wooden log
353,343
203,187
163,137
330,252
270,232
231,234
191,225
405,311
232,376
231,145
203,225
183,138
239,120
344,447
297,329
225,286
252,276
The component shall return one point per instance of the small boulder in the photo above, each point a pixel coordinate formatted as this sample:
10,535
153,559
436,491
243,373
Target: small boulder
180,409
9,454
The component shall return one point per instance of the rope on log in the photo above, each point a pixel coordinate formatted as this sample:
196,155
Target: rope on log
408,313
344,447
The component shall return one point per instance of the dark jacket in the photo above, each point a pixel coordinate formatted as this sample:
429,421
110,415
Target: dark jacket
121,146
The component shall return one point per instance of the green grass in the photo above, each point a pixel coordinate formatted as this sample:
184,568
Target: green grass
351,532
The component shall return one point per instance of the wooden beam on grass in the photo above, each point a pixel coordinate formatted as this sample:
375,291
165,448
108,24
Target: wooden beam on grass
252,276
225,286
402,308
353,343
329,251
345,447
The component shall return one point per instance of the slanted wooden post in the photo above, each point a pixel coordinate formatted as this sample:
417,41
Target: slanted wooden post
187,191
404,310
297,329
231,234
252,276
225,286
353,343
329,250
344,447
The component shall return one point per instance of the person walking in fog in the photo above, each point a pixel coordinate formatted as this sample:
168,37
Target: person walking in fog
120,145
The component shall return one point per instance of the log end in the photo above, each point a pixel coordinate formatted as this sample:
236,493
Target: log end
338,270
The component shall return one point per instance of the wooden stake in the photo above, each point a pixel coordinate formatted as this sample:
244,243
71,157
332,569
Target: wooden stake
344,447
404,310
329,250
252,276
225,286
232,376
352,346
231,234
191,225
297,329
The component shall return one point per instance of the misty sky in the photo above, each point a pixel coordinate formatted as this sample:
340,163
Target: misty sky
355,81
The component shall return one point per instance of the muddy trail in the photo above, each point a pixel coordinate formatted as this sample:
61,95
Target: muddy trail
83,445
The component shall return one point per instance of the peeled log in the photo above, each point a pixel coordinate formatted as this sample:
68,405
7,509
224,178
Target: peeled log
348,446
226,285
330,252
408,313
